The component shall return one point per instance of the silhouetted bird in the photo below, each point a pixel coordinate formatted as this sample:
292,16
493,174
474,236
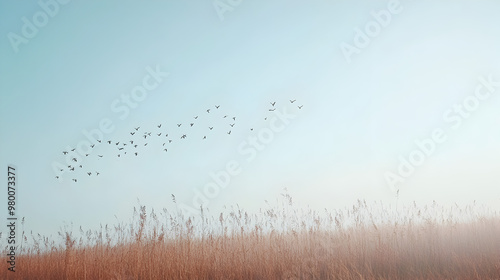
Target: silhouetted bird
232,125
80,166
72,168
119,149
183,136
204,137
73,149
131,142
159,126
74,180
273,103
145,144
208,110
99,141
132,133
74,159
196,117
165,150
192,124
179,124
109,142
229,132
291,101
89,173
117,143
92,146
64,152
271,110
217,107
145,136
300,107
211,127
97,173
135,153
86,155
169,141
137,128
159,134
224,117
99,155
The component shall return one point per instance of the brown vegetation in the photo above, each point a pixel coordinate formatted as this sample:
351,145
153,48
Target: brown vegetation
280,242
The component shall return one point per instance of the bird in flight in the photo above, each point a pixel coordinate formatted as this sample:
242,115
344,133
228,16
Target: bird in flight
92,146
234,118
145,136
89,173
183,136
300,107
73,149
229,132
119,149
232,125
192,124
131,142
291,101
208,110
145,144
224,117
179,124
99,155
211,127
99,141
217,107
204,137
272,110
64,152
165,150
159,134
86,155
74,180
97,173
135,153
159,126
117,143
74,159
196,117
132,133
109,142
273,103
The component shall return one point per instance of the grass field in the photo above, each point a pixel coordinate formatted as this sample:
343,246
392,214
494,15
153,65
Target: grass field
279,242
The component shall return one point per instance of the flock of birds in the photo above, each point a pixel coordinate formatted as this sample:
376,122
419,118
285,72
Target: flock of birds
139,138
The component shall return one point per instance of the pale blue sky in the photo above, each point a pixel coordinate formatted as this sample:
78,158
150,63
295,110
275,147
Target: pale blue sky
357,117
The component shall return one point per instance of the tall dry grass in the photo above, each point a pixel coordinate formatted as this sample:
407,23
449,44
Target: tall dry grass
280,242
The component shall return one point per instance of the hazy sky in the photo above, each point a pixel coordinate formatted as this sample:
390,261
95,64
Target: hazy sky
369,90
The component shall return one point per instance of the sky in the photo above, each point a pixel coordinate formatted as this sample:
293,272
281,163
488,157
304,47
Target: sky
397,99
